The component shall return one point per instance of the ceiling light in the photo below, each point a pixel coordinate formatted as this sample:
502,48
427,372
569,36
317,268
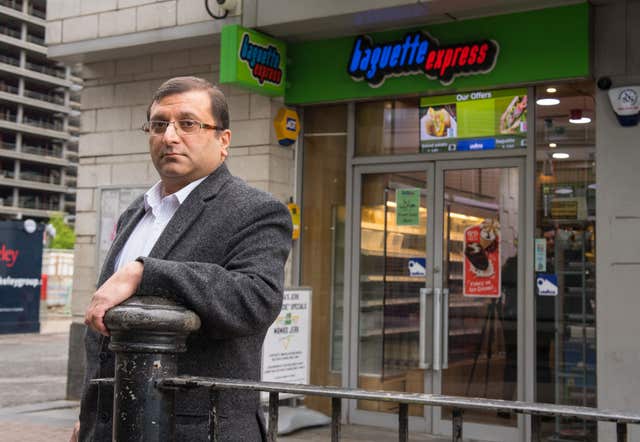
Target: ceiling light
591,186
560,155
576,117
547,101
552,145
564,190
552,90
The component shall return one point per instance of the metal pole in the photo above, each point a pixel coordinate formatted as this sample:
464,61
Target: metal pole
214,402
403,423
146,335
336,416
456,434
272,435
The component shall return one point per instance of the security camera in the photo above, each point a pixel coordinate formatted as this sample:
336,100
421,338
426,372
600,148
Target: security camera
227,5
604,83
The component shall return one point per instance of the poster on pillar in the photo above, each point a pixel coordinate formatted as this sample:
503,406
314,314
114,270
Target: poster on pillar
481,267
285,352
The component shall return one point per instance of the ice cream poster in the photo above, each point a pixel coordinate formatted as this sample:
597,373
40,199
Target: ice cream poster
481,268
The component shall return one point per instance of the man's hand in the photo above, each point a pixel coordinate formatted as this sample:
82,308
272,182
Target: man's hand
76,432
117,289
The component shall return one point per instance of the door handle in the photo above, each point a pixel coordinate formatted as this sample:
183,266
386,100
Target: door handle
445,328
437,329
424,362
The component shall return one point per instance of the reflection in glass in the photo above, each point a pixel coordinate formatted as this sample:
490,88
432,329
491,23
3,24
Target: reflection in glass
480,273
392,272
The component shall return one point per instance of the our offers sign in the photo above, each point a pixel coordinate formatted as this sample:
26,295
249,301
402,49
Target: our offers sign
252,60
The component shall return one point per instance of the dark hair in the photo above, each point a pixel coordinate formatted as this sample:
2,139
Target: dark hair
180,85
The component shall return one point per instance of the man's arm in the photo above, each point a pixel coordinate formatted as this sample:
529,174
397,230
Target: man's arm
241,296
117,289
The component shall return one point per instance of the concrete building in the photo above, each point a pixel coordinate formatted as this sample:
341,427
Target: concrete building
365,139
39,118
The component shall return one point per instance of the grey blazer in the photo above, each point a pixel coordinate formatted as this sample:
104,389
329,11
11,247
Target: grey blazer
222,255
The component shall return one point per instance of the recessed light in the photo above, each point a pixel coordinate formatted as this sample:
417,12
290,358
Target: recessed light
547,101
560,156
581,120
552,90
564,190
552,145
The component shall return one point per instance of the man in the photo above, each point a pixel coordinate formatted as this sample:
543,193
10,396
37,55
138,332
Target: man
209,240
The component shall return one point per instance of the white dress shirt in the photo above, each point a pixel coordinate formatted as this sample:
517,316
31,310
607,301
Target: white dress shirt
158,212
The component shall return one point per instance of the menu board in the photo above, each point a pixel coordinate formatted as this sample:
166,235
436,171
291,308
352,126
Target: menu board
468,121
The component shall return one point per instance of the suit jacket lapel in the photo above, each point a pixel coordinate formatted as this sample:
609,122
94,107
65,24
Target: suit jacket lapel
189,211
130,221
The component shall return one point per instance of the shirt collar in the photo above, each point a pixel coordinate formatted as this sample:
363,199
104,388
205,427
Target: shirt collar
153,197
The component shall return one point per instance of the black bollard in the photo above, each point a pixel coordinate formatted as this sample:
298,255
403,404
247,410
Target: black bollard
147,333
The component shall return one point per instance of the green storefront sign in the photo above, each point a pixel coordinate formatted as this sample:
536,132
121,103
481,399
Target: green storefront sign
468,55
252,60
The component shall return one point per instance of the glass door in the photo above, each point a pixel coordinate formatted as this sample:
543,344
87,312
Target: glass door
478,284
393,262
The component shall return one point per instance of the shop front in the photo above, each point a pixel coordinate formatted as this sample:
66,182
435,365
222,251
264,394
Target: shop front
431,196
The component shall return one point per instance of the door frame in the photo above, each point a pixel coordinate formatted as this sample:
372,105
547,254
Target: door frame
483,431
432,422
363,417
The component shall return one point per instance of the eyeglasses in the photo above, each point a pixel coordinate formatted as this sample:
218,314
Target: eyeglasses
182,127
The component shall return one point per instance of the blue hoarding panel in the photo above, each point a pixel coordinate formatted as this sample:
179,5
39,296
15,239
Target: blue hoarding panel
20,277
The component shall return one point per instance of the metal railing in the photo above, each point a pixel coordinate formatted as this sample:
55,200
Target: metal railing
8,115
37,12
44,69
13,4
44,151
148,332
51,98
47,124
10,32
40,178
32,203
7,145
9,88
9,60
35,39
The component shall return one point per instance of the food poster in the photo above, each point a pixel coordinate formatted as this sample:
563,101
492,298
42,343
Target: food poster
482,120
481,268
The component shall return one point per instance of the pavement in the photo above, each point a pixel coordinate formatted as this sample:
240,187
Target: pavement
33,374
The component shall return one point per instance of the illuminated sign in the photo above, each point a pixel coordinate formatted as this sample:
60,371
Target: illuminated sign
481,120
252,60
416,53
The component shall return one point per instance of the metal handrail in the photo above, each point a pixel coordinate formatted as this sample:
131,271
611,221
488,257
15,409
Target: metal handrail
44,69
35,39
51,98
38,150
621,418
9,88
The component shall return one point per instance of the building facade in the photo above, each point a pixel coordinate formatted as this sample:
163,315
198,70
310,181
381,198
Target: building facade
39,118
467,193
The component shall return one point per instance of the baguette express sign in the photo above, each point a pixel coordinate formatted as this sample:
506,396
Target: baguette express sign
252,60
418,53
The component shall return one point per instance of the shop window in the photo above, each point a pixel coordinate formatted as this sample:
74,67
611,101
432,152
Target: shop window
323,240
565,257
388,127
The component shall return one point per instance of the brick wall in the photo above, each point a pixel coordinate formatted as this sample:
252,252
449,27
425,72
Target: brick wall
113,150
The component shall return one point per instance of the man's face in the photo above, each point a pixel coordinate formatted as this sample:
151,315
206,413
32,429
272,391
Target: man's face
182,158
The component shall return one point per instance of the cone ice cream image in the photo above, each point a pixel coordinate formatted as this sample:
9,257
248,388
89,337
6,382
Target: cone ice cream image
489,232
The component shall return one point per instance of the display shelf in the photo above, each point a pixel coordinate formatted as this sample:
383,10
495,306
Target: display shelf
391,278
388,302
388,331
401,253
